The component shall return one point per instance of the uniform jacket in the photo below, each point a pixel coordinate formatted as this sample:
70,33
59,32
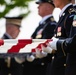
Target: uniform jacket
41,66
64,29
45,30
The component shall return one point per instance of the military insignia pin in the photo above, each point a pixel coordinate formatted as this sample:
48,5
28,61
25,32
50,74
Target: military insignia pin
59,34
63,14
59,31
52,19
38,36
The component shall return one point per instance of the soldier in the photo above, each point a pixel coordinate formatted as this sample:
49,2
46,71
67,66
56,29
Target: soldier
62,31
12,27
68,46
45,30
8,66
47,24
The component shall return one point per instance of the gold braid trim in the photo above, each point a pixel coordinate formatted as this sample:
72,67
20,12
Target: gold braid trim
63,49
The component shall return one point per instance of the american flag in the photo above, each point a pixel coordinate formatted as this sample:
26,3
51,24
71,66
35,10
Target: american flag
21,46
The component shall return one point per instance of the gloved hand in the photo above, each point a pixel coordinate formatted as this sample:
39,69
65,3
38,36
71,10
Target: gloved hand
50,45
19,60
47,49
40,53
30,58
53,43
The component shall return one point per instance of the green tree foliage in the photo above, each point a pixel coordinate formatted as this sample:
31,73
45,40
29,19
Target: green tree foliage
8,5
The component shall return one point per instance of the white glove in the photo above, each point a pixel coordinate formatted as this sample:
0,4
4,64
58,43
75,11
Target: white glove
19,59
53,44
40,54
47,49
30,58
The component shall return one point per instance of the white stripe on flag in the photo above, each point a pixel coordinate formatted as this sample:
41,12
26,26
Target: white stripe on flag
29,47
7,45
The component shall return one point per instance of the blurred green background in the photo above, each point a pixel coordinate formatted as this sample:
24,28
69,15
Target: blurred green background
7,5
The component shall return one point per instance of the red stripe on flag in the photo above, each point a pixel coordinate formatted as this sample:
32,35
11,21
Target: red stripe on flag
39,45
1,42
46,42
20,44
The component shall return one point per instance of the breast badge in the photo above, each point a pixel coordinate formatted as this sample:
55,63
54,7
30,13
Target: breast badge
59,31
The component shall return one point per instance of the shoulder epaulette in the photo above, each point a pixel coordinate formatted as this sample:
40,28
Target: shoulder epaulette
52,19
71,10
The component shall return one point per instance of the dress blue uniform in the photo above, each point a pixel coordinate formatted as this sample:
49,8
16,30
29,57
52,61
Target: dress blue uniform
39,66
8,66
45,30
62,31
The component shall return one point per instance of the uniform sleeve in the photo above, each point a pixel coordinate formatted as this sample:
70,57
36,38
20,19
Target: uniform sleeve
68,25
70,45
67,45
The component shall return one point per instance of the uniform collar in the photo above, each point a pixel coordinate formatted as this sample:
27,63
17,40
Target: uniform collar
8,35
64,8
45,18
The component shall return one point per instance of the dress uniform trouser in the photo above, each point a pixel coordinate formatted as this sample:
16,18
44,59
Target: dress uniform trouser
71,64
9,66
58,66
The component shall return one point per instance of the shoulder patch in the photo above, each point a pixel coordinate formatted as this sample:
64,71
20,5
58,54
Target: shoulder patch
74,21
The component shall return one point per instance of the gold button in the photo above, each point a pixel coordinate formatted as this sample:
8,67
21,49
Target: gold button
42,64
9,74
64,64
55,35
52,57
